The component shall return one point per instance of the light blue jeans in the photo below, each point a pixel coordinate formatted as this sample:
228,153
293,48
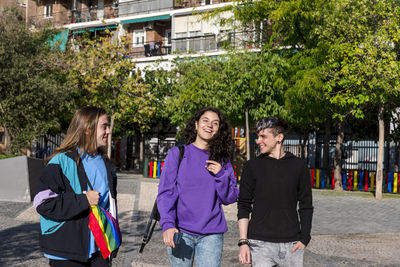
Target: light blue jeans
267,254
207,250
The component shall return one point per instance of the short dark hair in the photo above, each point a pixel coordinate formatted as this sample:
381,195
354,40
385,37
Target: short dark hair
275,123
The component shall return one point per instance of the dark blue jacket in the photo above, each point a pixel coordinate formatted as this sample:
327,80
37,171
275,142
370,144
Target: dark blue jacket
64,209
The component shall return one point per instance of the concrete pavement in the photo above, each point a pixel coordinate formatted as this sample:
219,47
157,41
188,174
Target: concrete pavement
348,230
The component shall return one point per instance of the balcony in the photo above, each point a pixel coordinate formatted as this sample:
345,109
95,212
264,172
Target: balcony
93,13
202,43
150,49
127,8
195,3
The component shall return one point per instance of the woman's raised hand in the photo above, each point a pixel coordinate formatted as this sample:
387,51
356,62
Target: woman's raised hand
213,166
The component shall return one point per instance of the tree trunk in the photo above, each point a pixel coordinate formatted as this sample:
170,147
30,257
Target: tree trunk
338,158
381,144
303,145
247,135
7,140
109,143
141,152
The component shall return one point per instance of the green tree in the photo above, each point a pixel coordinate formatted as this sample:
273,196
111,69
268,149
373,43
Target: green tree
358,44
246,86
108,76
363,61
34,86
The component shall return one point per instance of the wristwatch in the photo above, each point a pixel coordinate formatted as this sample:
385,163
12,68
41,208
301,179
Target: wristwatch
243,242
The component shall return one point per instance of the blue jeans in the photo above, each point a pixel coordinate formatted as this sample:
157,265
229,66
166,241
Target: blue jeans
207,250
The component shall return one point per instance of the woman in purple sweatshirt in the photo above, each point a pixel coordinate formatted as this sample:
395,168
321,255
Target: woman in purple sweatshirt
191,194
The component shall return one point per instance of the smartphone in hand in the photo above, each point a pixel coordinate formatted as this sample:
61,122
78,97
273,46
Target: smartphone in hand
177,237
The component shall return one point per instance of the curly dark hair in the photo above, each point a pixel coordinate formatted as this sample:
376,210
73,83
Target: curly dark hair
220,146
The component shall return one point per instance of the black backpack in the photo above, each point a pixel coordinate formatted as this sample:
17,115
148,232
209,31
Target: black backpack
155,215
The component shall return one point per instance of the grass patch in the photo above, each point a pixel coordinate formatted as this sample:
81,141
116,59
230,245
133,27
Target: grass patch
8,156
352,193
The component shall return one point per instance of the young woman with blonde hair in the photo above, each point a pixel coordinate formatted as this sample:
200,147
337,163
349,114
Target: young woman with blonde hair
63,197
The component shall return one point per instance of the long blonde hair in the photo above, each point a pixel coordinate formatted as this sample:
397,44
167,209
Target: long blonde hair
82,133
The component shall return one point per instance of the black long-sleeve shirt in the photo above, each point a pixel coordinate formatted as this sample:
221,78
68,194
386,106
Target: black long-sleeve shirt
271,190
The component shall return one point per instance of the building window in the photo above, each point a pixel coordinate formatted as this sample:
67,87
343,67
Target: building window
206,2
2,138
139,38
168,37
48,11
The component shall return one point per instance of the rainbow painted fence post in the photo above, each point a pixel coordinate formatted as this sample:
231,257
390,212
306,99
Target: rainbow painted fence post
355,180
372,182
317,178
361,181
312,177
390,182
155,168
344,180
323,184
366,176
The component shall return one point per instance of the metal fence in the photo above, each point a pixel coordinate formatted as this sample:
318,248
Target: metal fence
356,155
156,149
45,145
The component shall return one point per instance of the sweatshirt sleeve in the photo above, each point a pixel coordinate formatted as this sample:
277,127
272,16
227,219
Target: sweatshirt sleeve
246,193
226,186
53,200
167,190
306,209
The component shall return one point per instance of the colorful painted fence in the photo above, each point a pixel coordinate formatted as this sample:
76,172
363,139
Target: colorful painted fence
153,169
355,180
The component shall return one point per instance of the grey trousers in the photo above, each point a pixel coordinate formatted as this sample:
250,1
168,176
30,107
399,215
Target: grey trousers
267,254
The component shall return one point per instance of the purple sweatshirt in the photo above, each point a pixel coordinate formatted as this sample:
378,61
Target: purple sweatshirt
190,199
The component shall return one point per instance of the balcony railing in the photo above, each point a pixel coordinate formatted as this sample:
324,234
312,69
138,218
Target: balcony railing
121,9
195,3
150,49
75,16
201,43
143,6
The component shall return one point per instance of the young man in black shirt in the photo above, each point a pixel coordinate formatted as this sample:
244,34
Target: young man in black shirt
275,188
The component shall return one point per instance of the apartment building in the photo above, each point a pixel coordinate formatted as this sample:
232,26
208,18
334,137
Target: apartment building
156,28
159,30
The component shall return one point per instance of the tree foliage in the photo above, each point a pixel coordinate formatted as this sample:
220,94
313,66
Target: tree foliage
108,78
346,60
235,83
34,86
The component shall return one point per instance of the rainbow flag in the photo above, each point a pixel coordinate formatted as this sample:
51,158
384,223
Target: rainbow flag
105,230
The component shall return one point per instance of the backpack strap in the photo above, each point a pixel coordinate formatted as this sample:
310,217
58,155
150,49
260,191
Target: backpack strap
155,214
181,153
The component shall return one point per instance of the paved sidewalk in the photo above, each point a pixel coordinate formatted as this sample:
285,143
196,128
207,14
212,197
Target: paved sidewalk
347,230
